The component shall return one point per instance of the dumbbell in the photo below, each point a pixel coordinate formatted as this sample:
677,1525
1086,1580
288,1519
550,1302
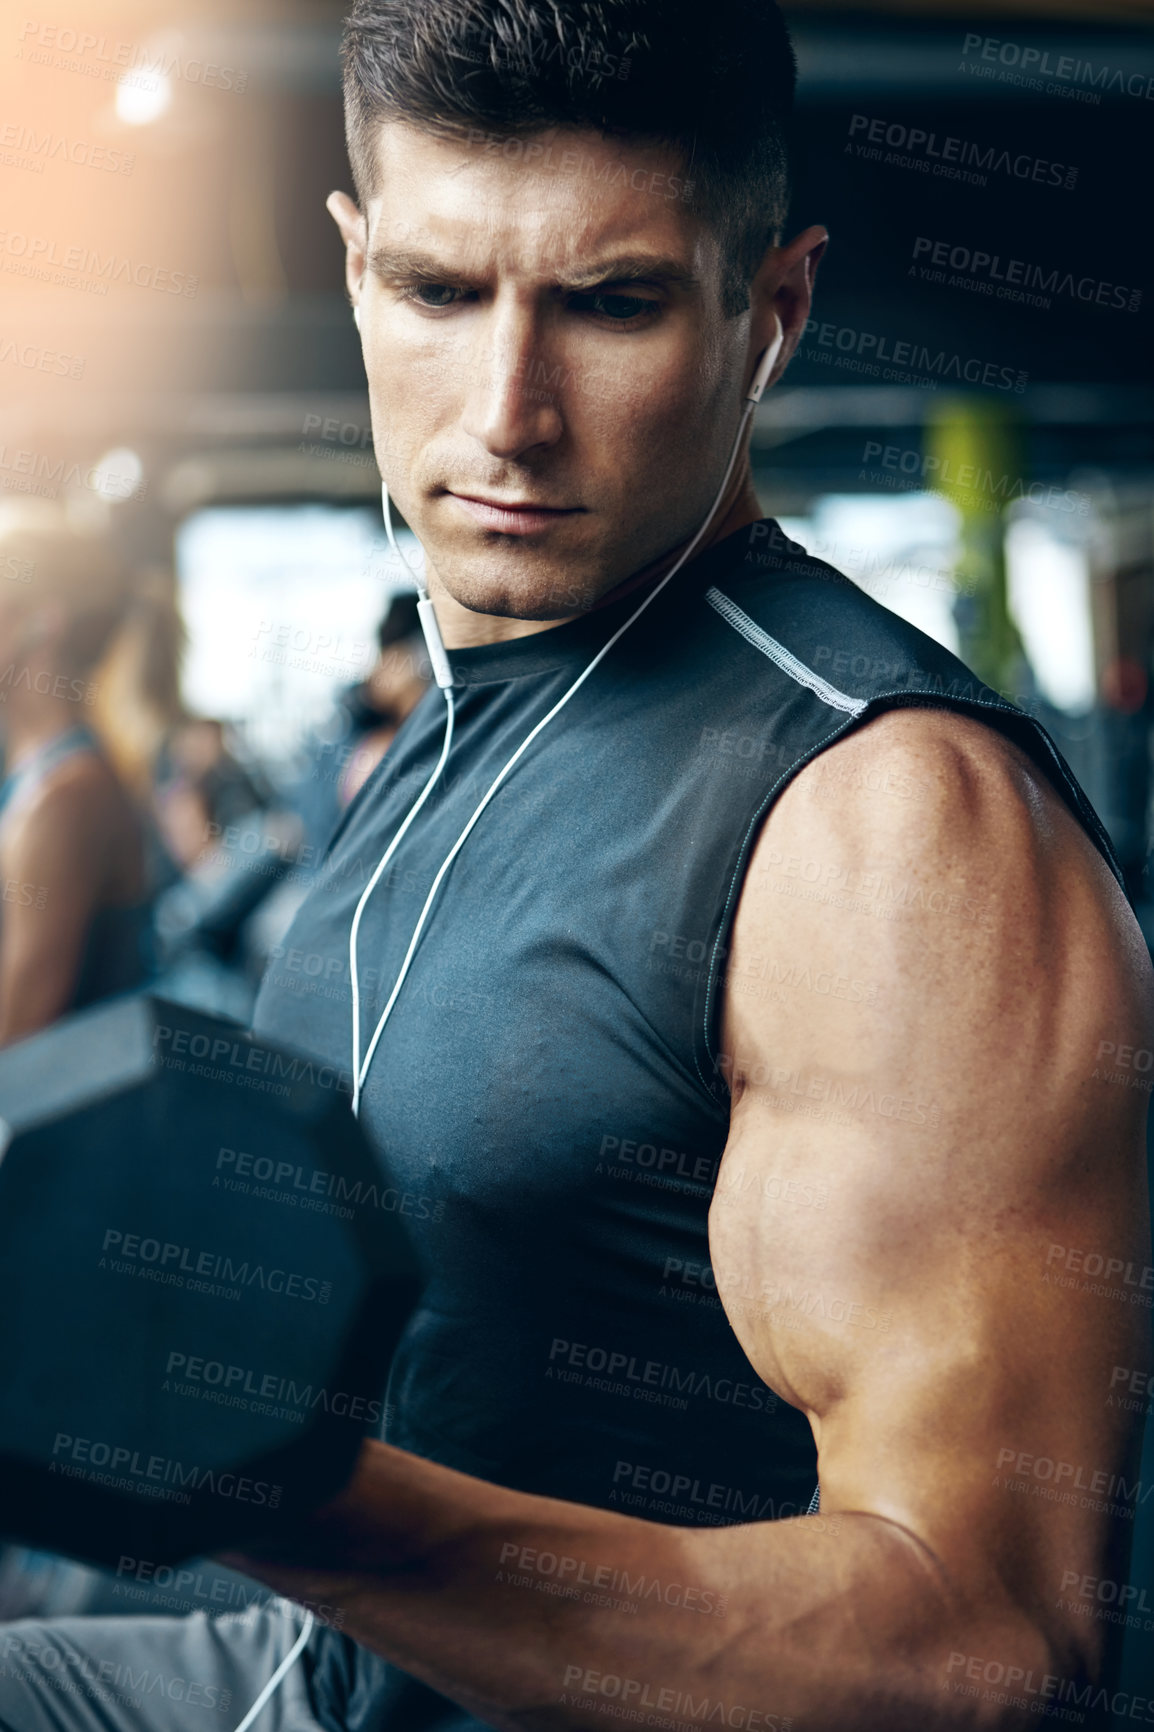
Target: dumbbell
201,1284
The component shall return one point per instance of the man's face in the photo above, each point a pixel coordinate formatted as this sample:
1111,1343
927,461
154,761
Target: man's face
542,330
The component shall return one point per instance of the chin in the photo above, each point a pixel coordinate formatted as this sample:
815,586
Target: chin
547,593
534,604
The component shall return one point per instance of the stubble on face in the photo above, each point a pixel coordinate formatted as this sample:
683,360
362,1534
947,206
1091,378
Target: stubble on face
494,379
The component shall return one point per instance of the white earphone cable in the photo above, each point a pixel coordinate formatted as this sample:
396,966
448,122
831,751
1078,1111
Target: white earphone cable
358,1072
280,1674
361,1068
424,602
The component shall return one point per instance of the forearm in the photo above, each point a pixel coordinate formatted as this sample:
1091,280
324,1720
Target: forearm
531,1612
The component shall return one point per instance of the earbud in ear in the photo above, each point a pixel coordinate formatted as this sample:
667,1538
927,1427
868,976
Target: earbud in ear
765,366
357,317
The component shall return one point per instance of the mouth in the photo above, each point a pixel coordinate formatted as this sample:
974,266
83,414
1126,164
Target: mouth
513,516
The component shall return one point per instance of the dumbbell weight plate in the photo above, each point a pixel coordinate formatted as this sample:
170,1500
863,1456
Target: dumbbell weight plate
201,1283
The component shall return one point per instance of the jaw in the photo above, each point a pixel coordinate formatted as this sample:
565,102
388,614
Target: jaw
494,596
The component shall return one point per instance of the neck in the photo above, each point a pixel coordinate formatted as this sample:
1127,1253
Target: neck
730,516
462,628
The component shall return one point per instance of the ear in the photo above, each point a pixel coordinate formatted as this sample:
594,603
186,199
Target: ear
781,295
355,236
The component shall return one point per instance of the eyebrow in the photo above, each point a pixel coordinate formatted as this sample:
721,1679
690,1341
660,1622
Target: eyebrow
635,268
664,272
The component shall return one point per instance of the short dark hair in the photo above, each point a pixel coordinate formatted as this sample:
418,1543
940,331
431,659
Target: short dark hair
714,81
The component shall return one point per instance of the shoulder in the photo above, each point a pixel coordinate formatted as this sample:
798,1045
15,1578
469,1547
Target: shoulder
931,920
81,791
774,579
922,777
70,819
936,781
938,831
819,630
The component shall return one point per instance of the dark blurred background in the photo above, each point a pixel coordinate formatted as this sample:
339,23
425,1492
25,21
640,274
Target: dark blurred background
972,444
966,430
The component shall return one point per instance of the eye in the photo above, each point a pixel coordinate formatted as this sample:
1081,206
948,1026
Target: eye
620,308
431,295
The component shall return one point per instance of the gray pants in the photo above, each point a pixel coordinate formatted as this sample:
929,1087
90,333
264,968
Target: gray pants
202,1674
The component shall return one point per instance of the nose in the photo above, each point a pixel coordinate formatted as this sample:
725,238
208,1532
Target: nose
512,402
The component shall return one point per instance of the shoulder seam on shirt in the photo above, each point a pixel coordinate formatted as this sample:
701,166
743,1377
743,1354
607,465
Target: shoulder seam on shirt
783,658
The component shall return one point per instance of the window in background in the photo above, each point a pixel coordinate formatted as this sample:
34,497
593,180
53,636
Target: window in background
1048,587
282,605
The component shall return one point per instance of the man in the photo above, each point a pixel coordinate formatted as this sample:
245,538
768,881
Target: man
760,1083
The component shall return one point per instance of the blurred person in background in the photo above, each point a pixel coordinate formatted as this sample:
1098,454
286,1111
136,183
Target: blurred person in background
138,704
233,839
74,869
201,788
88,664
379,704
363,725
342,755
